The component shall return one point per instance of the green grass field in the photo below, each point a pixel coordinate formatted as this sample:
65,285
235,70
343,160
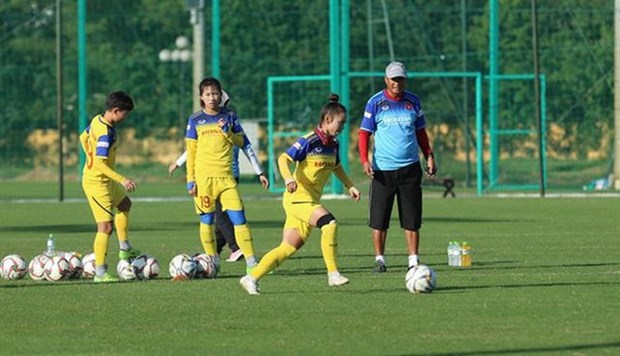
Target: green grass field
545,280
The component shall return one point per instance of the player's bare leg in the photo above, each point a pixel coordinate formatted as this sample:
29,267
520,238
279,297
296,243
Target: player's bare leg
413,241
378,239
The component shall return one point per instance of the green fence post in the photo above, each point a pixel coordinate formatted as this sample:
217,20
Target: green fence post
82,87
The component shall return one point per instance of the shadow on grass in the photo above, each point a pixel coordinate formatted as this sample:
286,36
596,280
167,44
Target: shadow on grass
529,285
532,350
473,220
28,283
493,265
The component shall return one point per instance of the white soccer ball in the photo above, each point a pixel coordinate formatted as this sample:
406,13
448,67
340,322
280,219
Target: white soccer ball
36,267
13,267
151,268
57,269
420,279
75,264
138,265
125,270
182,267
88,266
205,266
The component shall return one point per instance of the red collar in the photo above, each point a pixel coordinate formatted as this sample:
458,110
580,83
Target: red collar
387,94
326,140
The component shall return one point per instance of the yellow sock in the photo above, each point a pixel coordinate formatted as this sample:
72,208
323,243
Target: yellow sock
207,238
101,248
121,222
329,246
244,240
273,259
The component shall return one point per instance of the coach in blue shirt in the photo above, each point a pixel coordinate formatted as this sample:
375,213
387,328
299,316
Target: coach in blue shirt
395,117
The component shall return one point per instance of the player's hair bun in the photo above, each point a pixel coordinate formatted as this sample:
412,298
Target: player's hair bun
333,98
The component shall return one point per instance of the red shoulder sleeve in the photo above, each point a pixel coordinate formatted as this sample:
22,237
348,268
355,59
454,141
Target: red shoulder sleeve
423,142
364,138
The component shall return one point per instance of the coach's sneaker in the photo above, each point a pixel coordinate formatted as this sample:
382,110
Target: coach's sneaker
335,279
250,285
379,267
129,254
106,278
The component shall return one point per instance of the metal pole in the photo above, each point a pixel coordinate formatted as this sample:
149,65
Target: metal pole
479,137
82,88
344,80
334,61
465,96
59,101
215,38
371,44
197,19
493,90
388,31
617,93
182,112
541,138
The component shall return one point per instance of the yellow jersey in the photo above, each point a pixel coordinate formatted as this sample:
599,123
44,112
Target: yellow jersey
210,147
99,141
317,157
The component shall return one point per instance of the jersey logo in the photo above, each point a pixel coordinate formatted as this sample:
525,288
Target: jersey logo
408,106
324,164
385,107
319,149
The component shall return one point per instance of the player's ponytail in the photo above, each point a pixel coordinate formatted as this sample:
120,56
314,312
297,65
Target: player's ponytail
333,107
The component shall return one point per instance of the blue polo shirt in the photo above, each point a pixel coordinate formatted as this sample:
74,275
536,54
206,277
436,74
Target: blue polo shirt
394,124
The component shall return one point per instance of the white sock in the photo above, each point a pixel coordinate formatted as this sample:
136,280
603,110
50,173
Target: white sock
125,245
413,260
251,261
100,270
380,258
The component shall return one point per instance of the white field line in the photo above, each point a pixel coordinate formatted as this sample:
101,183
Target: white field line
335,197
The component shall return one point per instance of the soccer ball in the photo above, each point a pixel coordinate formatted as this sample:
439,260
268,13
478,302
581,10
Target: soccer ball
13,267
420,279
75,264
182,267
57,269
138,265
125,270
205,266
151,268
88,265
36,267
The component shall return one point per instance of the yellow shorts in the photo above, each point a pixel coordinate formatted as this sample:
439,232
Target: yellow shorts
103,198
213,188
298,217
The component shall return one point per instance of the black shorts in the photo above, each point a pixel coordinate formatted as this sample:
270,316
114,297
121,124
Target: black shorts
404,184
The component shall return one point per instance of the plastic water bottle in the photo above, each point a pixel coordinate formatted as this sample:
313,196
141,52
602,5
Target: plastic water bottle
465,254
454,252
51,246
451,253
